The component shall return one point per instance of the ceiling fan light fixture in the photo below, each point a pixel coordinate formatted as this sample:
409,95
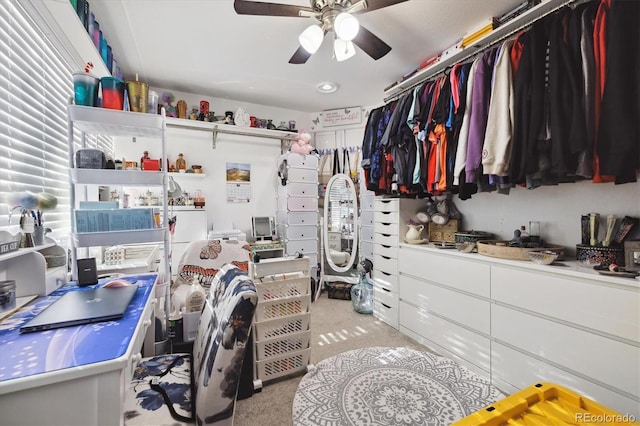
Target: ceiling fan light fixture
311,38
343,50
346,26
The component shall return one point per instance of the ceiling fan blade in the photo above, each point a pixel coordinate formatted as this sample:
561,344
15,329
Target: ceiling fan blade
246,7
374,5
371,44
300,56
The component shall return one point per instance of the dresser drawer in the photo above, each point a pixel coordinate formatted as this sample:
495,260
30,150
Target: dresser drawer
295,174
367,202
386,251
366,250
385,296
385,280
296,232
580,301
366,233
453,271
389,240
298,189
298,218
298,204
462,309
367,219
302,161
472,347
387,204
386,217
386,264
301,246
386,229
385,313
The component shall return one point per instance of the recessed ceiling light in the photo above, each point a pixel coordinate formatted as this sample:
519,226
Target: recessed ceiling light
326,87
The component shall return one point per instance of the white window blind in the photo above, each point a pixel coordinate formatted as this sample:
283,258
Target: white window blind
35,87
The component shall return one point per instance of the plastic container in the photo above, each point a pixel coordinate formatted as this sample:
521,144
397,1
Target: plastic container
545,404
112,93
138,93
7,295
153,102
85,89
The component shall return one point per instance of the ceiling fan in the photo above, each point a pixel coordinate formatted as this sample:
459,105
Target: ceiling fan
333,15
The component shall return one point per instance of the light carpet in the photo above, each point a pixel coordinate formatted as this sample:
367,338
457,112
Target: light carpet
389,386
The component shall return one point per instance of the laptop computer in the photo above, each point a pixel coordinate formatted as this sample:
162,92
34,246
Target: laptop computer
82,307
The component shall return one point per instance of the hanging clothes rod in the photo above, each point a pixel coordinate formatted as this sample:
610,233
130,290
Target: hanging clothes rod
498,35
230,130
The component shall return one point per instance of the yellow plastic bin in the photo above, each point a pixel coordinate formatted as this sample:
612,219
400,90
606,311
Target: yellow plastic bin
546,404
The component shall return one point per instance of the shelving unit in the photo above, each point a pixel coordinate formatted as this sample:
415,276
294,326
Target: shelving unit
107,122
281,327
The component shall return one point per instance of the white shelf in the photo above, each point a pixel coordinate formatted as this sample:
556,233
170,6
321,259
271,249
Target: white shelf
23,251
92,239
117,177
188,175
111,122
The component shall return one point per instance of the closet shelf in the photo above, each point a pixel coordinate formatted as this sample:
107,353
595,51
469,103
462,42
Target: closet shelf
116,177
505,30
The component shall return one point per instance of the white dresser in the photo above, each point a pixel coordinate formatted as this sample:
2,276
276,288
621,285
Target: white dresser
367,207
520,323
297,217
385,260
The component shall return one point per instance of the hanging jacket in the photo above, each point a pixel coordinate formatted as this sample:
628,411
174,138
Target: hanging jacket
619,133
480,103
370,136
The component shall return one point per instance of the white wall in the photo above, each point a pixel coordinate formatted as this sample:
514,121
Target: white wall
557,208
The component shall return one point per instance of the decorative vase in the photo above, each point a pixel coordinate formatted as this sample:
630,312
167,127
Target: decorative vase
362,296
414,233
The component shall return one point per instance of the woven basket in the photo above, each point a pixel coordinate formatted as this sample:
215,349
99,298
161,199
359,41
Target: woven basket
501,249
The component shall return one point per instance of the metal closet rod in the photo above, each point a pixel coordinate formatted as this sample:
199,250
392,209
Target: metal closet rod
476,49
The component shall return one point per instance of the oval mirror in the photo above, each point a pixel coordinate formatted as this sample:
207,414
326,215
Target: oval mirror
340,230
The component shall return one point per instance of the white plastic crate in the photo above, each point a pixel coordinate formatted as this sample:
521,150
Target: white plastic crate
281,326
283,365
269,309
282,345
278,289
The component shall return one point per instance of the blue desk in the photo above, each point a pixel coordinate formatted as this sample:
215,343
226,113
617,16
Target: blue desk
71,375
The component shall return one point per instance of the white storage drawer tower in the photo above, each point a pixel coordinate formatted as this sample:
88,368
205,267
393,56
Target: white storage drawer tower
281,326
367,207
298,207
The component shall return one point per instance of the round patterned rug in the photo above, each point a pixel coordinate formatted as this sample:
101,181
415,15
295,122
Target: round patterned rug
389,386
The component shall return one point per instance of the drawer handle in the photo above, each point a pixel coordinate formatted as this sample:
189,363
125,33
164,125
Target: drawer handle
386,235
385,223
385,257
385,305
387,274
385,246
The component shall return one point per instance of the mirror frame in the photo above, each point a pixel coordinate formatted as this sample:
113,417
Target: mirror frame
325,229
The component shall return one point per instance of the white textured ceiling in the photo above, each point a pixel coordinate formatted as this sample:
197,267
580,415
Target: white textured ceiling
204,47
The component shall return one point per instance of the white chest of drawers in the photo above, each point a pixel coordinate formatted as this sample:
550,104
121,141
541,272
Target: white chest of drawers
298,207
521,323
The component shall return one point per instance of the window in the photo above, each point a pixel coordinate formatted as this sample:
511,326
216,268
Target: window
35,87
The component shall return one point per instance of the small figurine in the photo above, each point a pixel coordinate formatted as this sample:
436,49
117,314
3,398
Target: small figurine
181,107
168,98
517,239
181,164
194,114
